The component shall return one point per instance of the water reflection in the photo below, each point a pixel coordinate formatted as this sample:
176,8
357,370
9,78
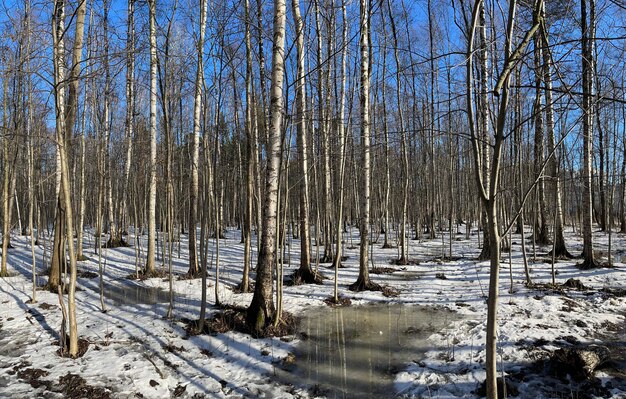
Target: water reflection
133,294
355,352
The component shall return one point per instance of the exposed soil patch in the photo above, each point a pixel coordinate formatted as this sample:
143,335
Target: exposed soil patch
116,243
570,284
86,274
47,306
73,386
238,289
570,370
613,292
574,284
31,375
188,276
596,264
143,275
579,362
173,348
342,301
390,292
404,262
179,391
382,270
364,285
83,345
544,378
305,276
506,388
569,305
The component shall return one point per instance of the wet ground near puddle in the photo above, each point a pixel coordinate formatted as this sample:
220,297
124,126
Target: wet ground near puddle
355,352
134,294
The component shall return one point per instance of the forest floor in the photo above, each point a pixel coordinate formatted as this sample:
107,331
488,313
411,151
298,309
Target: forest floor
136,352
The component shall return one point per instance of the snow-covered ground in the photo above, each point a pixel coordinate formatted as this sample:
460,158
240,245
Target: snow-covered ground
136,352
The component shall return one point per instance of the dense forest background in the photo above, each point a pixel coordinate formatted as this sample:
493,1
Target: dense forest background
408,119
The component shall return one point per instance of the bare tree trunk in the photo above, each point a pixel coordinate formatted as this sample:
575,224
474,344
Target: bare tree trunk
484,124
540,230
489,190
587,130
304,274
61,131
363,282
404,256
250,162
260,313
195,145
130,109
152,166
6,220
342,151
559,249
58,252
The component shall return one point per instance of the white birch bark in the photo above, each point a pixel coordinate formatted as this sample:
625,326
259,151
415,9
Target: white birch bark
195,145
152,186
261,310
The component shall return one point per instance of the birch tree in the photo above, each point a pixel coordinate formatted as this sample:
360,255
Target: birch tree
62,123
150,268
363,281
304,274
195,144
260,313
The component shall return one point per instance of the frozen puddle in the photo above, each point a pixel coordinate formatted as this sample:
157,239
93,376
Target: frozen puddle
356,351
134,294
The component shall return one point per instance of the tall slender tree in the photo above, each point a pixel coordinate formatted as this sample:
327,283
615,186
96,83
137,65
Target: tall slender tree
586,26
304,274
363,281
195,143
260,313
152,165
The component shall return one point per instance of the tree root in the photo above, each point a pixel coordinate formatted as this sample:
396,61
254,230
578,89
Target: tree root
327,259
561,253
589,264
116,243
240,289
364,285
342,301
304,275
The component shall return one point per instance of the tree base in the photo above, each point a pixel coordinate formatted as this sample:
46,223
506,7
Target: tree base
504,387
7,273
540,239
305,275
240,289
388,246
144,275
233,318
403,261
588,264
327,259
561,253
83,345
362,284
190,275
116,243
341,301
485,253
